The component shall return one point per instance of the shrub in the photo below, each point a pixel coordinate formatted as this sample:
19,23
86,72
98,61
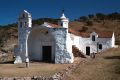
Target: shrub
89,23
84,29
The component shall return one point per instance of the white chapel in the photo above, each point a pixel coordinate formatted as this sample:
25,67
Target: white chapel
46,42
53,43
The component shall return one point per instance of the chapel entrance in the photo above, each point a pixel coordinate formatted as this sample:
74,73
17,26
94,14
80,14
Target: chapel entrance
41,45
47,53
88,50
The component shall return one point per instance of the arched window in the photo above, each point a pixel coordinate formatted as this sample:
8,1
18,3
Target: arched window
25,24
23,15
61,24
20,24
93,37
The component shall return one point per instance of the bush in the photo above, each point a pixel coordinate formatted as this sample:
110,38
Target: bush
89,23
84,29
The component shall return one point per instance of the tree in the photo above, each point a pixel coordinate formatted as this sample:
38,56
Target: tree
84,29
83,18
89,23
91,16
114,16
100,16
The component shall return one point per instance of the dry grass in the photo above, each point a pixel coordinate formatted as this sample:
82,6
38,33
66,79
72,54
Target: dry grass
105,66
35,69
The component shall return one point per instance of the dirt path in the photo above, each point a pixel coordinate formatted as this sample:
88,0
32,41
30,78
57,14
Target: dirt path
106,66
35,69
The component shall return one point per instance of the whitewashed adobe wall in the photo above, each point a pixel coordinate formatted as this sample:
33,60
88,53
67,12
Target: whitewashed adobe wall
81,43
84,42
36,40
62,53
55,38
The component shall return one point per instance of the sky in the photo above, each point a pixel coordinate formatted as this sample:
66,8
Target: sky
10,9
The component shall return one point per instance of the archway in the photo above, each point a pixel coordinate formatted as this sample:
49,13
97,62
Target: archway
41,45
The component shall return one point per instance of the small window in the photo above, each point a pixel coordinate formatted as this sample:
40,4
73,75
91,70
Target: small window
20,24
100,46
61,24
93,38
23,15
25,24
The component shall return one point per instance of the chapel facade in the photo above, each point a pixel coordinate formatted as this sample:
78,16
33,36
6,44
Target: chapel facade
46,42
53,42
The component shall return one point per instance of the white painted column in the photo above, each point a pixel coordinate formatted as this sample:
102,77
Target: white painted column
26,46
26,42
26,53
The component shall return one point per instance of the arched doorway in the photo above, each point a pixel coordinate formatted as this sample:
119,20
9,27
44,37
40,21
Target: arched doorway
88,50
41,45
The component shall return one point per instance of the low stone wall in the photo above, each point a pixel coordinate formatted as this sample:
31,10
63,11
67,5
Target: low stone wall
57,76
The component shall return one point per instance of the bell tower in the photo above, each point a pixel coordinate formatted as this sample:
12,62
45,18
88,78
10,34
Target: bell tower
63,20
24,28
25,20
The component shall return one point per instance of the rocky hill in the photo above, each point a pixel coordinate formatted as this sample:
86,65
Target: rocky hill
97,22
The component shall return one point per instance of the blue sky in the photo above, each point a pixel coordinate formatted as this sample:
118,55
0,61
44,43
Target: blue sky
10,9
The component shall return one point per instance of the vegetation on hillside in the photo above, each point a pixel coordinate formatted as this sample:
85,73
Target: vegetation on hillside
100,16
8,36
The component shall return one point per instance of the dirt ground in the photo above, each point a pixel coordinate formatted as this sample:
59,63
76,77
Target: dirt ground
35,69
106,66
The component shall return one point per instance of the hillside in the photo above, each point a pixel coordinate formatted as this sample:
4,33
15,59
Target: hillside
98,22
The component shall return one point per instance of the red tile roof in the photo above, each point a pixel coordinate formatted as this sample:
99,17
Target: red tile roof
104,34
53,25
101,34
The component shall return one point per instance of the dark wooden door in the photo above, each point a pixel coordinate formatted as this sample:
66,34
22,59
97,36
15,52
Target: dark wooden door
88,51
47,51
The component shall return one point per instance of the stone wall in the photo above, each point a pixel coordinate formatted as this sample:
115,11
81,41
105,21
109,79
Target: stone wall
61,53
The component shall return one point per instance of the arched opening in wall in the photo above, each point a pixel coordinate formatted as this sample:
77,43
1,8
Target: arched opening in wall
88,50
23,15
20,24
93,37
41,45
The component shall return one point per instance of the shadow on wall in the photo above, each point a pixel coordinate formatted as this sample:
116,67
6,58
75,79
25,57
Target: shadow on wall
77,53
